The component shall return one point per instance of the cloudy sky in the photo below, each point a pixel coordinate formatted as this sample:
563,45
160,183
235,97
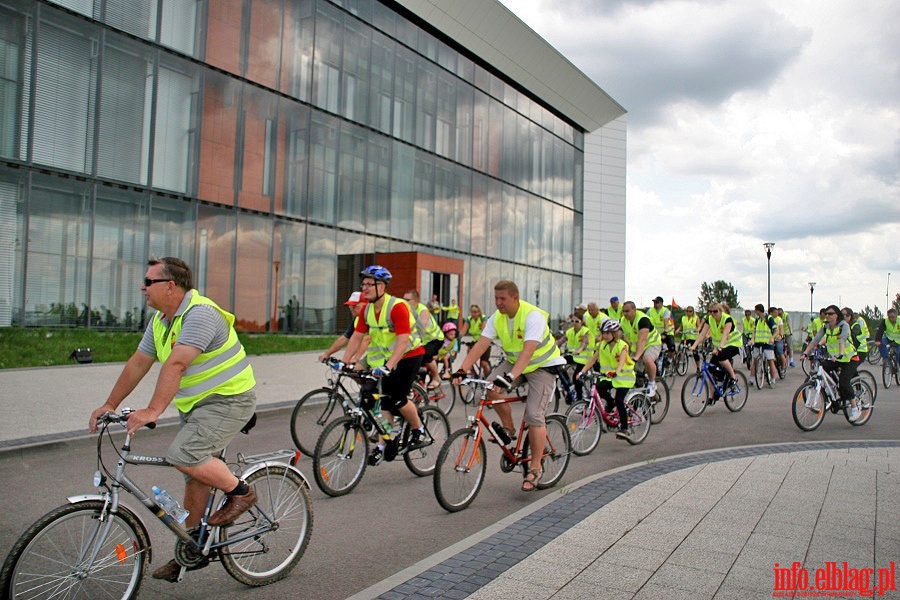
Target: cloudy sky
749,121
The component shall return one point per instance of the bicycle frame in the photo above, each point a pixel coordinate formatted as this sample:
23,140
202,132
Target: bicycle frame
611,418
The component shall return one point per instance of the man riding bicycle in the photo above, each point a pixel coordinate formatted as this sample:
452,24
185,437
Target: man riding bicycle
531,355
206,373
395,352
888,333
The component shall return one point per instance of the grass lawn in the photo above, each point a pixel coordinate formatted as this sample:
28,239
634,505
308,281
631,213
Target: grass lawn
43,347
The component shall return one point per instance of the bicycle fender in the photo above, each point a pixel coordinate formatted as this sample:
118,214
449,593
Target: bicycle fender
274,463
121,509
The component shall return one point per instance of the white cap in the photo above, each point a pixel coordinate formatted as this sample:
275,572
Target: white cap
353,300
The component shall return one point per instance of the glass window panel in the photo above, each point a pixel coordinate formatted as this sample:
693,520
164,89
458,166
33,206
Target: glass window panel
224,23
175,133
495,138
65,93
407,33
479,214
378,184
295,119
297,55
461,218
12,224
385,19
351,198
509,154
214,272
289,248
465,68
179,25
119,257
423,209
404,94
480,131
445,133
136,18
59,222
221,105
464,120
323,168
253,309
534,243
402,191
123,129
381,81
259,112
357,43
511,231
360,8
327,62
579,181
12,45
426,105
444,204
264,41
495,223
172,232
318,311
84,7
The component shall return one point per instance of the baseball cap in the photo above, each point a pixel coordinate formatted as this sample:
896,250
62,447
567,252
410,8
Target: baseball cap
354,299
658,299
581,306
614,299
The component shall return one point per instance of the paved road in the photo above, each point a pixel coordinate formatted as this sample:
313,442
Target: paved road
391,521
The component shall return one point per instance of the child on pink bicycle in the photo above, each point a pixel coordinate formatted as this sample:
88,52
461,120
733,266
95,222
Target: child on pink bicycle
617,371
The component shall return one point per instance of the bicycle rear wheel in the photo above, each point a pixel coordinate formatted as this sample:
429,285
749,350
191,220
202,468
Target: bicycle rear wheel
584,428
283,520
887,375
49,560
864,401
442,397
867,376
694,395
659,402
310,415
808,406
681,362
736,400
557,451
421,461
761,373
640,418
339,460
456,482
874,355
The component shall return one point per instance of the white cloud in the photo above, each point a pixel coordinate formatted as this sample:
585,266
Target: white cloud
749,122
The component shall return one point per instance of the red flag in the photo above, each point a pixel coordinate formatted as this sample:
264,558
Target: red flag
674,304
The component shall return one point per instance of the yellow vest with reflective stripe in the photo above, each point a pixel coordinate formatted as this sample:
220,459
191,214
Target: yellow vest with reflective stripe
609,361
513,342
630,330
224,371
476,326
892,330
613,313
593,323
382,332
715,332
749,324
689,329
574,339
660,323
763,332
833,345
432,331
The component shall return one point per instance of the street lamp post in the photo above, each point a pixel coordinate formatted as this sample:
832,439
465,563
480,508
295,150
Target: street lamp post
812,286
769,246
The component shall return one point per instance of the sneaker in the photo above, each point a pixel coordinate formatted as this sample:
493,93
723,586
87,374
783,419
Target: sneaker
792,364
376,457
651,388
418,439
752,381
855,414
623,434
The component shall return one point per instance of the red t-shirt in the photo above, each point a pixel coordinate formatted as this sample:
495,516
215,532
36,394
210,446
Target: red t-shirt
400,318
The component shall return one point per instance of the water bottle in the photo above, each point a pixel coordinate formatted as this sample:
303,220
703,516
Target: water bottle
379,416
501,433
169,504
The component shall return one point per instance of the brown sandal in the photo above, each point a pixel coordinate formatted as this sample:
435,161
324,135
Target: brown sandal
532,479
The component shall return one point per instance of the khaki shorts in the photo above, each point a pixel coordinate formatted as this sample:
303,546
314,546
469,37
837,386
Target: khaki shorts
541,384
209,427
652,352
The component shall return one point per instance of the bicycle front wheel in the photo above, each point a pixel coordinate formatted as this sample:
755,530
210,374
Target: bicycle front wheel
441,397
339,460
867,376
808,406
694,395
659,402
460,471
874,355
310,416
71,553
281,524
421,461
887,375
584,428
640,416
864,401
736,399
761,373
681,363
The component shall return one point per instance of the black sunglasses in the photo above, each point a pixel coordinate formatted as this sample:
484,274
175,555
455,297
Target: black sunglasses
148,282
831,312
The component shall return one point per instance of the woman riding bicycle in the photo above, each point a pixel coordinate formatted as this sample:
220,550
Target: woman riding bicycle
617,371
836,334
727,339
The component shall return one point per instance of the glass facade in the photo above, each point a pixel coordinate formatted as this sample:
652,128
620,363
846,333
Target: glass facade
259,140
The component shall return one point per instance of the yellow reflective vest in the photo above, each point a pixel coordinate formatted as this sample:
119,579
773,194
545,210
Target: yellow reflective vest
609,361
382,332
224,371
513,342
574,339
715,331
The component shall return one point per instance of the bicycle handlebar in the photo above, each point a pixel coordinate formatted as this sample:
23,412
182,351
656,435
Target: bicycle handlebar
111,417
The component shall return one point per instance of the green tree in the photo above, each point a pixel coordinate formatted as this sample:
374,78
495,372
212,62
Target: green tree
895,304
872,315
718,291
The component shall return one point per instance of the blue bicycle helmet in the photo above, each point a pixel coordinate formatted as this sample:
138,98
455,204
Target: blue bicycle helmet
376,272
